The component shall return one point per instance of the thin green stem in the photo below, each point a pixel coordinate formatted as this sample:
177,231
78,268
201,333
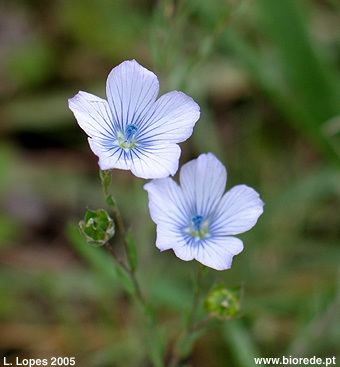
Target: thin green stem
138,294
196,299
201,324
177,357
119,261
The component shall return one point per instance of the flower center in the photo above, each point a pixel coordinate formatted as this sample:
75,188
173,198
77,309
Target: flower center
127,139
197,222
199,227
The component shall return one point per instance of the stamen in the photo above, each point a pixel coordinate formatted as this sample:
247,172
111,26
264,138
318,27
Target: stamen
130,132
197,222
127,139
199,227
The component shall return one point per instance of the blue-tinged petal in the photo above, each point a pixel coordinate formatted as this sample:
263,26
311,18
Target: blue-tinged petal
186,251
203,181
168,211
237,212
166,202
93,115
155,161
169,236
110,155
218,252
131,90
171,119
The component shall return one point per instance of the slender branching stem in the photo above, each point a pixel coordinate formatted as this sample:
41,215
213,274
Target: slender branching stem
191,326
128,267
195,300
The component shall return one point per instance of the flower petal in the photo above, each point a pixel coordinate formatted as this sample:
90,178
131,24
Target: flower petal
93,115
169,236
155,161
171,119
186,251
131,89
168,211
110,157
203,182
166,203
237,212
218,252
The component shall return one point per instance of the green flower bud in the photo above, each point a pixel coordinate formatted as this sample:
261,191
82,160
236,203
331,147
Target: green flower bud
97,227
223,303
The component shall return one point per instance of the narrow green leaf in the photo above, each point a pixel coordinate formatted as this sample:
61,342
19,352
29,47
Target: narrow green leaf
110,201
131,250
125,278
106,179
240,343
298,114
186,344
306,71
101,261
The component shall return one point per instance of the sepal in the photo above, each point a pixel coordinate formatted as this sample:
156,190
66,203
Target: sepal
97,227
223,303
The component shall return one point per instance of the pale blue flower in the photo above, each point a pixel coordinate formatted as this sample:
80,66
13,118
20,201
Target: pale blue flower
196,219
133,130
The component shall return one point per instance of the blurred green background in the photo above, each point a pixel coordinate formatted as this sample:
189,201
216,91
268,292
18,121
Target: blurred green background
266,74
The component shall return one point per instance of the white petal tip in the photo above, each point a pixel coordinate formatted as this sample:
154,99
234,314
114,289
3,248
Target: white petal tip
218,266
